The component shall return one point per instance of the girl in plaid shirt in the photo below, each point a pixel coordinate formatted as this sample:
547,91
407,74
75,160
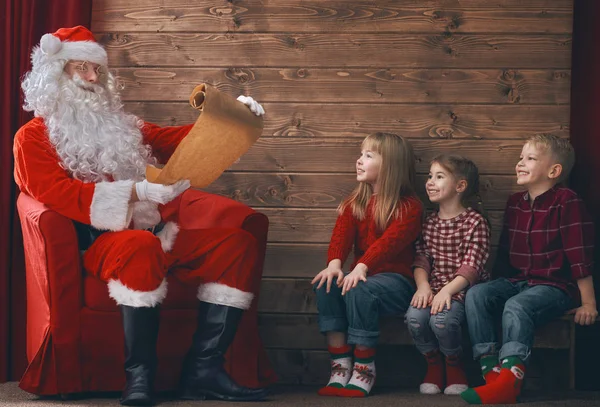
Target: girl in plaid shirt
379,222
451,254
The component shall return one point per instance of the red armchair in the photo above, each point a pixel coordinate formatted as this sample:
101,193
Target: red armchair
74,330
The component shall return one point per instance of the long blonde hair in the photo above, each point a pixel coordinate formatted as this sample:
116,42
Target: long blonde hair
396,180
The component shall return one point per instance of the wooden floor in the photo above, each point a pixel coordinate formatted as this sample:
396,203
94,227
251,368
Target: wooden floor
11,395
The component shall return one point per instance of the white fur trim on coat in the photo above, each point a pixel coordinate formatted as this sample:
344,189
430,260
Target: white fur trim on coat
110,205
51,48
221,294
124,295
167,236
145,215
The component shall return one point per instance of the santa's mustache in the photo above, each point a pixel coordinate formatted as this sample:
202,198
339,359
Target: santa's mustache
85,85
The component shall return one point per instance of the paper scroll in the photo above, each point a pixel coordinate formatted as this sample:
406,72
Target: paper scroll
224,131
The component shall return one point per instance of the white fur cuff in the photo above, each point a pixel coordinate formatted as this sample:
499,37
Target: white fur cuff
124,295
110,205
221,294
167,236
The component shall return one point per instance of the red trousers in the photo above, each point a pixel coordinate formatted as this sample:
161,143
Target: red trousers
219,261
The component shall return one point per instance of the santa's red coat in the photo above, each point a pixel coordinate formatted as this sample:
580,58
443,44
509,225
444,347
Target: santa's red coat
105,206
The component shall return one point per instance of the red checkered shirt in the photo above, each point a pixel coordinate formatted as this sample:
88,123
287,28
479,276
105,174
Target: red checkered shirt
549,241
389,252
454,247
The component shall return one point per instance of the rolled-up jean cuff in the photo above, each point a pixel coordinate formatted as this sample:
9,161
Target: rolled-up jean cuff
515,348
483,349
451,352
364,338
327,324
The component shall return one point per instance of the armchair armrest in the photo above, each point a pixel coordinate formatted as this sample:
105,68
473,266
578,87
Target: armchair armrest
54,284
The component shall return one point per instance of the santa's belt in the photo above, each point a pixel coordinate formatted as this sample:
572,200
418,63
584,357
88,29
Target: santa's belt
87,234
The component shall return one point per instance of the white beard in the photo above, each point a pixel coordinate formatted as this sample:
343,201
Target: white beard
94,138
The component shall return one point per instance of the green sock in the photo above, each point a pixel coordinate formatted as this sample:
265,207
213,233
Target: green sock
488,363
511,361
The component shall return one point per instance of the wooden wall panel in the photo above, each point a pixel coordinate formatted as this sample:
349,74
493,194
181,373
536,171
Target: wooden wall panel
315,225
326,190
333,49
516,16
475,77
385,85
430,121
305,260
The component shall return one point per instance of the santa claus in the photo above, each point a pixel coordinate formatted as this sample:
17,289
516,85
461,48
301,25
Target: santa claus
85,158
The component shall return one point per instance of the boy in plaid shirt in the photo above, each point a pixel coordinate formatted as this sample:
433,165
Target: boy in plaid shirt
545,255
451,254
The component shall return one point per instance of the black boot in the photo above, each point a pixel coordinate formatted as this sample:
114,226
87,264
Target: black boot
203,374
141,332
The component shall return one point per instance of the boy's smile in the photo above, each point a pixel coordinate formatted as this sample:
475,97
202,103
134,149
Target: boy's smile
534,166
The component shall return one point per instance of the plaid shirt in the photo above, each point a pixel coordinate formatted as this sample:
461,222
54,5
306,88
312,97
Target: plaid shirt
549,241
454,247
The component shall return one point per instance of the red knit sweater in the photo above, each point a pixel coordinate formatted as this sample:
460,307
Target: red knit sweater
391,251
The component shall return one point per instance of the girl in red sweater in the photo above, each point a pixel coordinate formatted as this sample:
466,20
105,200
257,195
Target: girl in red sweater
379,222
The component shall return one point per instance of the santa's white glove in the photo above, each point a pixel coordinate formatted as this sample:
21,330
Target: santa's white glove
158,193
254,106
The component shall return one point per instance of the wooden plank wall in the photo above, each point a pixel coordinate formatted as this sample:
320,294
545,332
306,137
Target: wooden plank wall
470,76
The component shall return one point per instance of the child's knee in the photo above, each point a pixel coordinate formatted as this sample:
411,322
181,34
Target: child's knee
444,323
417,319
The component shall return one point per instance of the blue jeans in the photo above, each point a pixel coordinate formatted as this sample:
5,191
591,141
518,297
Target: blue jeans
357,312
443,330
522,307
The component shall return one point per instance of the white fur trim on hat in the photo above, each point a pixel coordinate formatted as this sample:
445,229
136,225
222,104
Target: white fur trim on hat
110,209
221,294
53,48
167,236
124,295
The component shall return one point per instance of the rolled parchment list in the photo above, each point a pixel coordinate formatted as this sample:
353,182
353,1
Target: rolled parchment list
224,131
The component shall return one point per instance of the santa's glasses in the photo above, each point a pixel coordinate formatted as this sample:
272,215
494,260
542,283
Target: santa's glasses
85,67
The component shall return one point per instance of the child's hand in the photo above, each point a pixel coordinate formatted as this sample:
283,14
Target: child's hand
585,315
422,297
327,276
351,280
441,298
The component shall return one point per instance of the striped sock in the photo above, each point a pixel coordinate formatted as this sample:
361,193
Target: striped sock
363,374
341,368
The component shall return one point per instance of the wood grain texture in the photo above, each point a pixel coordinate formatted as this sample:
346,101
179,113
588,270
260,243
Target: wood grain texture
335,15
475,77
443,121
326,85
342,50
259,189
292,154
315,225
305,260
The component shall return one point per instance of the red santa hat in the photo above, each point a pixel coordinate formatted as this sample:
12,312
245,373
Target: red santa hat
76,43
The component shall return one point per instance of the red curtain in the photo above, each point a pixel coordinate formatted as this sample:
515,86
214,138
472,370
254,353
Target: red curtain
585,109
23,24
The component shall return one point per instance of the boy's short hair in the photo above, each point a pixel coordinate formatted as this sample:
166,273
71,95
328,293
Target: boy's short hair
560,148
